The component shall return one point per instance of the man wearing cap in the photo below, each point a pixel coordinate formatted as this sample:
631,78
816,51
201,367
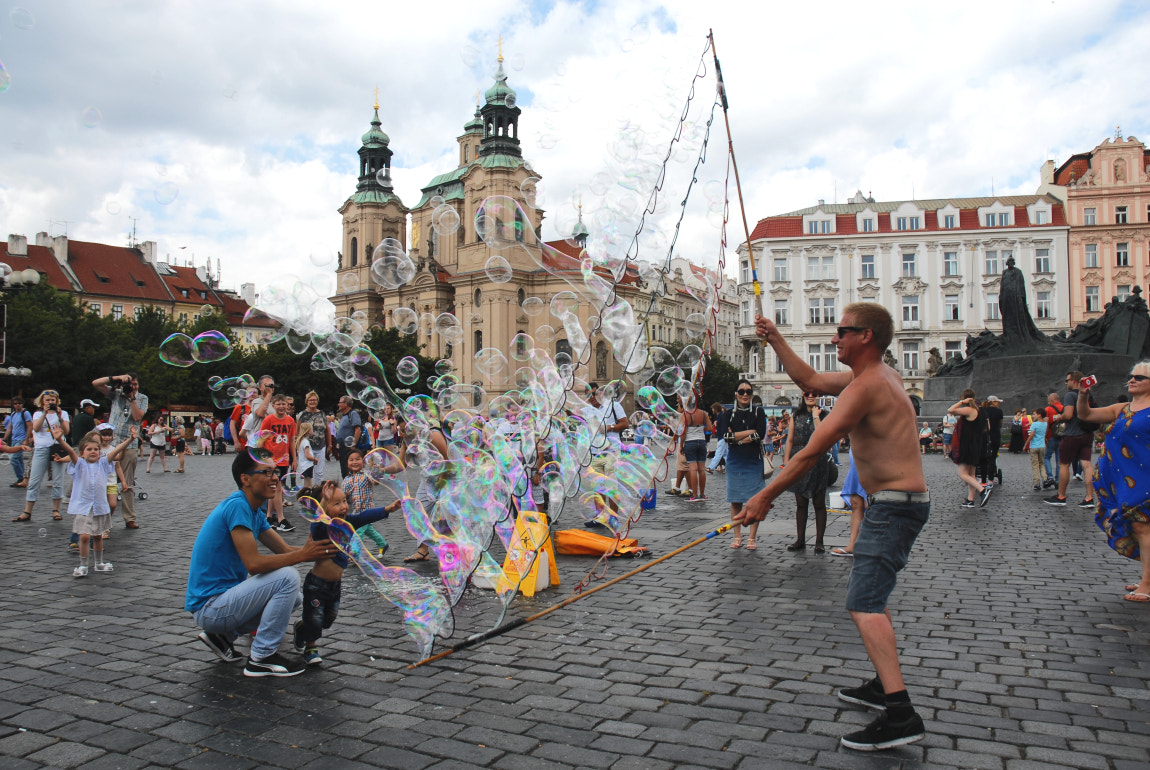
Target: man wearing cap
128,408
993,411
84,421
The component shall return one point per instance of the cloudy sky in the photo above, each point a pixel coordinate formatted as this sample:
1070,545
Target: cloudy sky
229,130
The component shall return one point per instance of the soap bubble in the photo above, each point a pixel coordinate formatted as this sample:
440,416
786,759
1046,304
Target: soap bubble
91,117
349,442
445,219
509,100
500,222
260,445
22,18
166,193
498,269
407,370
206,310
42,532
322,260
211,346
391,267
176,350
5,78
406,320
532,306
696,325
444,366
348,283
532,192
214,381
360,317
491,362
448,327
112,207
292,483
435,201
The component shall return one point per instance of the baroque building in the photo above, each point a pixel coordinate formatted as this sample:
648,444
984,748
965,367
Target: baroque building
1108,207
494,180
936,264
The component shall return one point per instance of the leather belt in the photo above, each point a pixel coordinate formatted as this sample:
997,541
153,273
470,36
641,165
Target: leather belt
891,496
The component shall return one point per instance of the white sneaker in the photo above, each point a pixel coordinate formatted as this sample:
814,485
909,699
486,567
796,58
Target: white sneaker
81,571
104,567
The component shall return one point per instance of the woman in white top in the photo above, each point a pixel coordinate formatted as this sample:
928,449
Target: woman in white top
48,416
158,440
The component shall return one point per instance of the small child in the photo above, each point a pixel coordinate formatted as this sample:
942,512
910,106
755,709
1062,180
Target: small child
321,586
357,488
89,498
305,459
115,478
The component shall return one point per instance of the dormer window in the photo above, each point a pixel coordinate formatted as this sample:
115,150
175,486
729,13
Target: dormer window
908,223
1001,219
868,225
949,222
819,227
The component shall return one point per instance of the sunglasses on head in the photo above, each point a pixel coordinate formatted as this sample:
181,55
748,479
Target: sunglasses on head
744,392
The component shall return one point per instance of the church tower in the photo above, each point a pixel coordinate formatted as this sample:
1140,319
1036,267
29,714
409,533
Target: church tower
372,213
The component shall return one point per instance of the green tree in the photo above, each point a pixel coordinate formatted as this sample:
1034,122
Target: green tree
719,378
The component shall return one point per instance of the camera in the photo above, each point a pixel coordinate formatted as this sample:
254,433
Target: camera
1088,382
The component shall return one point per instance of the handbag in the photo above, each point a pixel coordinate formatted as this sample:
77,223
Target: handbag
768,466
955,440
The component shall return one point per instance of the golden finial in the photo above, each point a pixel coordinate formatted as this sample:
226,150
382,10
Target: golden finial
501,48
377,97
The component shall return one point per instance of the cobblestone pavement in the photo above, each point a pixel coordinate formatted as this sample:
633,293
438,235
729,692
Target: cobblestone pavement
1017,646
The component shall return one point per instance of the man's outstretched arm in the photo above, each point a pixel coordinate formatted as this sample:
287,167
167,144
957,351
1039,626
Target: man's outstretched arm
826,383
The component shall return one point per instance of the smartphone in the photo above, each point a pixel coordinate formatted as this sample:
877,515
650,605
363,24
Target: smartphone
1087,382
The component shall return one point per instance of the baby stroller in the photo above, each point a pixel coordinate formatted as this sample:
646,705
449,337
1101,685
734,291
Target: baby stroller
988,469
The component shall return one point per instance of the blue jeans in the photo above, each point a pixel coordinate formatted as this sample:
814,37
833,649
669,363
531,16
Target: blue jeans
720,454
262,603
16,460
1051,458
835,453
887,532
40,462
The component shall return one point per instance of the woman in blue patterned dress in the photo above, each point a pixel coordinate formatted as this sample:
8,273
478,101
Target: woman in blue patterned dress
1122,484
743,427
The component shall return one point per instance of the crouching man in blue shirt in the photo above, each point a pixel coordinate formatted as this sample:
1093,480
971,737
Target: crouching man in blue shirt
234,589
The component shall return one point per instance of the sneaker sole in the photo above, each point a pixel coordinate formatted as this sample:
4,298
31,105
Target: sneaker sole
860,702
884,744
1060,505
257,674
218,654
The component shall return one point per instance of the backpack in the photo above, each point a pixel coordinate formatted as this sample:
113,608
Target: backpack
228,430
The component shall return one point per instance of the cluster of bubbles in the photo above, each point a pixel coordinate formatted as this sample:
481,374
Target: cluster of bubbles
205,348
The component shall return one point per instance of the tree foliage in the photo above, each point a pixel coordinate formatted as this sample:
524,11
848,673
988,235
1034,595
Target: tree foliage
67,347
719,379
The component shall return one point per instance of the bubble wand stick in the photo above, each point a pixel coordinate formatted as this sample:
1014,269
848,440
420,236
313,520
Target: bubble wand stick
475,639
738,185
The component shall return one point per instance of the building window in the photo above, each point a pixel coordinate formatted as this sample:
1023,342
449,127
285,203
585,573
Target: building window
781,270
1092,255
900,224
117,312
910,310
745,309
249,337
354,252
1123,292
915,223
782,313
1122,254
909,268
1090,216
868,225
1042,261
779,368
910,356
1119,215
823,267
96,309
991,263
868,266
819,227
478,340
1093,299
823,358
951,311
950,263
1042,307
1039,217
183,318
990,220
478,298
949,222
952,350
520,226
822,311
1004,220
744,272
992,313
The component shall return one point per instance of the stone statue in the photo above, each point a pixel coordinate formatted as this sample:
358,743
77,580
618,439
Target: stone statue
933,362
889,360
1019,334
339,260
601,361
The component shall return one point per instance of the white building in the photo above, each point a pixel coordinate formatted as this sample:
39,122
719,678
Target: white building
936,264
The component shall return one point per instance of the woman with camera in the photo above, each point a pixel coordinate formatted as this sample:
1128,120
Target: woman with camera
48,417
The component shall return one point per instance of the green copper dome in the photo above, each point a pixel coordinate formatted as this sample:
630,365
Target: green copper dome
475,125
500,93
375,136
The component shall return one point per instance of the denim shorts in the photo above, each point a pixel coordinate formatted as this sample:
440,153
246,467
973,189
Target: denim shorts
695,451
887,533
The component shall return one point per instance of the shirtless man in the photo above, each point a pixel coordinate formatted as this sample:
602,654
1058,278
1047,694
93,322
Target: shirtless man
874,410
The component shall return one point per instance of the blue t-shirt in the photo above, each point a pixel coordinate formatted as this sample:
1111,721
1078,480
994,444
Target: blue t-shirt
19,423
1038,440
347,425
216,565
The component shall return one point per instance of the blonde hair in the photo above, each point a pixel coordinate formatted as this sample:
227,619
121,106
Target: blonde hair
304,432
873,316
1142,368
39,400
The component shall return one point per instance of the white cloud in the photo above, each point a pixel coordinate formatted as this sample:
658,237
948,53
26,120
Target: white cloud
254,110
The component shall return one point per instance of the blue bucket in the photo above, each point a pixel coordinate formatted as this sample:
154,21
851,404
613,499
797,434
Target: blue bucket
648,502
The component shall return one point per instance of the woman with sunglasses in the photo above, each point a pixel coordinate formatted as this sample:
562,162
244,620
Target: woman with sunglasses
812,487
48,417
1122,478
743,427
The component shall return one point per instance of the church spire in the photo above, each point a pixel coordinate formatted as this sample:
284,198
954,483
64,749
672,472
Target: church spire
375,157
500,116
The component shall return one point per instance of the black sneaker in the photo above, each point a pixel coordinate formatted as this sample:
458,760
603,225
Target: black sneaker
1086,504
1056,500
219,644
297,640
1048,483
1037,487
985,495
885,734
273,665
870,695
285,526
967,504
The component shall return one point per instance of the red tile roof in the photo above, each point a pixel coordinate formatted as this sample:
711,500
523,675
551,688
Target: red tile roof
1073,169
42,261
185,279
116,271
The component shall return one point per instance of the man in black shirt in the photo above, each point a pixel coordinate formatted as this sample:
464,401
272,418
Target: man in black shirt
993,412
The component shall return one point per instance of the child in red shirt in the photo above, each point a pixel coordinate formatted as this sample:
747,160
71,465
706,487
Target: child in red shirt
280,428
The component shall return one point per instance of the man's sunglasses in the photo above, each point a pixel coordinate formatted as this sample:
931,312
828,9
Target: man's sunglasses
844,330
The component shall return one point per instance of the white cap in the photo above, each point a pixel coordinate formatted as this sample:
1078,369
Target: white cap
995,399
104,426
87,402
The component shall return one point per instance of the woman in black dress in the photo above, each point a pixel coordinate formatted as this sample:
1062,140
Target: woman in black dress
970,446
813,486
